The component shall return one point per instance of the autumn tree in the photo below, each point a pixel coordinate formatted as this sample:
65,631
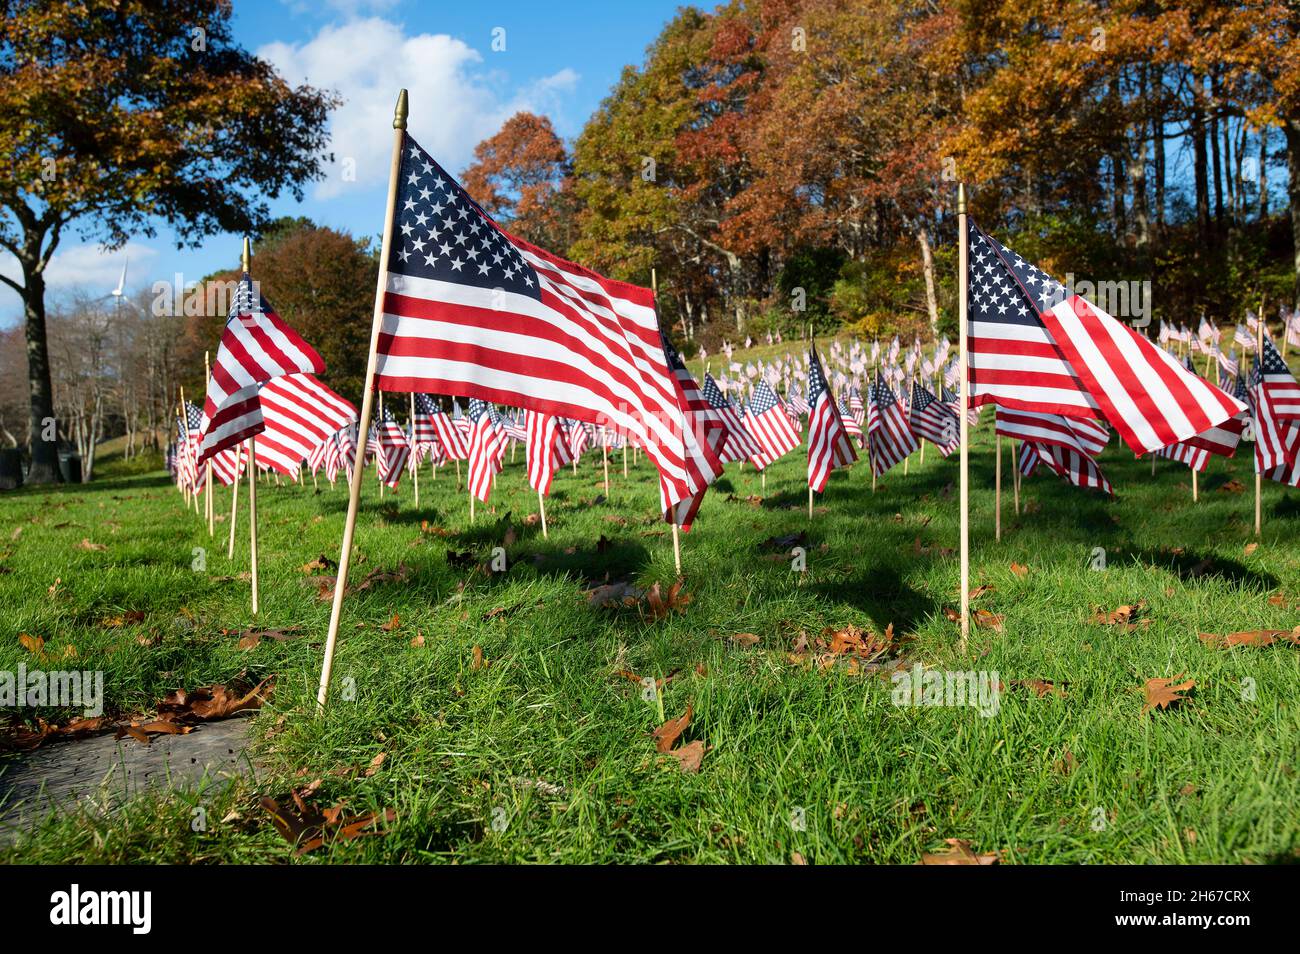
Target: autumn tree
521,177
118,115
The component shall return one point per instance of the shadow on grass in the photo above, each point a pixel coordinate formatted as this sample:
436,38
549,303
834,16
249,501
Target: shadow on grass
882,595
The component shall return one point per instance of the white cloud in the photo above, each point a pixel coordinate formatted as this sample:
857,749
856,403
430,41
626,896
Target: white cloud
88,268
456,100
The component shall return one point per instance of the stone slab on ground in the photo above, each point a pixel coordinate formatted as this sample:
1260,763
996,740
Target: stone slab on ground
105,771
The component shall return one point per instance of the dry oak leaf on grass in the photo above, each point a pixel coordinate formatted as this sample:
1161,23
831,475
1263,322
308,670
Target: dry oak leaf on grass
1252,637
614,594
209,703
1162,693
309,828
85,544
1129,617
659,605
959,853
1020,570
22,737
688,756
986,619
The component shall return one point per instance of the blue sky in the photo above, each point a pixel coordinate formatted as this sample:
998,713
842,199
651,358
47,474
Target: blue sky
558,58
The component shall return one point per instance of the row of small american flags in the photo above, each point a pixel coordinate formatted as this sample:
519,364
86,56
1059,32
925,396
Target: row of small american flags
550,355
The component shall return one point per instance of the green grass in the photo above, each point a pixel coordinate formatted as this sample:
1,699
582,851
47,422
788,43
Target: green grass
1210,780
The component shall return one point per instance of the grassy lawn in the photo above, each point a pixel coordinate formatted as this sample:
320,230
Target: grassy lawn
544,752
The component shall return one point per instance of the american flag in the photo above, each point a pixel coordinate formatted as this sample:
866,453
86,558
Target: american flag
485,443
767,422
228,465
1036,347
1243,337
471,310
300,414
578,436
1086,437
194,467
795,402
1197,458
889,436
422,429
316,459
547,449
851,425
1079,469
256,346
1278,385
393,449
1277,435
828,442
740,444
451,437
188,471
705,434
933,420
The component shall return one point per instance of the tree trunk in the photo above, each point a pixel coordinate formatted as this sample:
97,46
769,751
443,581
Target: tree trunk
45,454
1200,162
1263,171
1292,130
927,265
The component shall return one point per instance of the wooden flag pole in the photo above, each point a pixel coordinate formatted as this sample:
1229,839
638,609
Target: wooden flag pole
367,406
625,457
677,537
245,262
415,465
1195,489
252,516
1015,474
997,491
604,455
234,501
964,422
207,477
1259,478
380,448
541,506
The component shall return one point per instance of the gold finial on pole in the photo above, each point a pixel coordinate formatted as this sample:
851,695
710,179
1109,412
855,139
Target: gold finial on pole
400,113
961,198
246,256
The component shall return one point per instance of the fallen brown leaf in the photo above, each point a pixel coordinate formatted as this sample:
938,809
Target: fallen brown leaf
666,735
1162,693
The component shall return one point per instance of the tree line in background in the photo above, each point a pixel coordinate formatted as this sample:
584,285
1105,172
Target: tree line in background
791,165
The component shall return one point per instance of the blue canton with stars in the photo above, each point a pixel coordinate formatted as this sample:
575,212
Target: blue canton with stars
440,233
816,379
1004,287
763,399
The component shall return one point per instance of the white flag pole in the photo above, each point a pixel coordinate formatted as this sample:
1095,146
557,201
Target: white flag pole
962,253
367,407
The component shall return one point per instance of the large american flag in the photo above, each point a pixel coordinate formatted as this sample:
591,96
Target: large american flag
470,310
770,426
300,414
1034,346
889,436
828,442
256,346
